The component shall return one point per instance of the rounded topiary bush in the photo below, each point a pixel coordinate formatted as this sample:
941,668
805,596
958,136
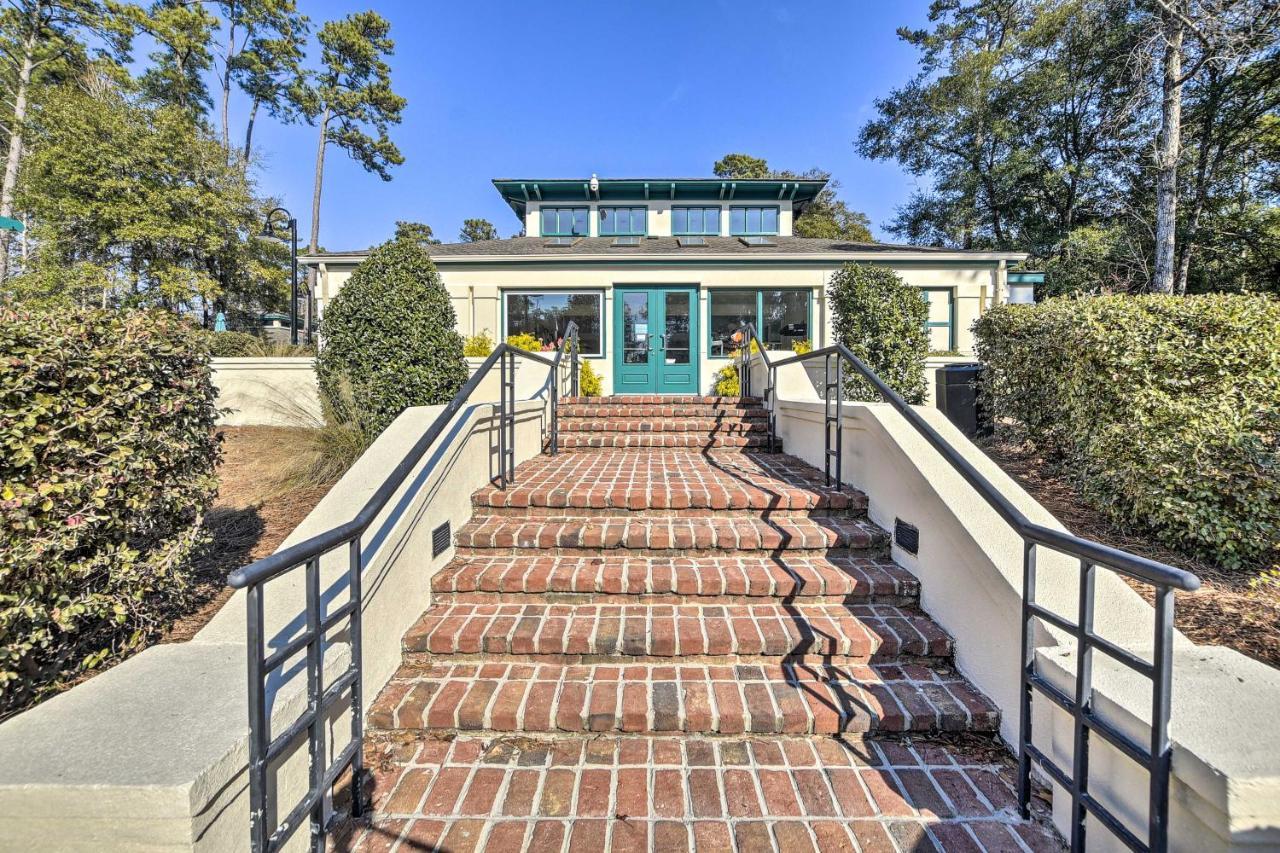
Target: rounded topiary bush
107,458
882,320
389,340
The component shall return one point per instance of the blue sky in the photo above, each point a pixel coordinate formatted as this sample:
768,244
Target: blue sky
616,88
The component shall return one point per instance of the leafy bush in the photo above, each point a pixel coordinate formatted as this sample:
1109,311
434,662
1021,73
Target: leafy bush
802,346
477,346
727,382
882,320
1165,411
389,334
526,341
107,457
233,344
589,382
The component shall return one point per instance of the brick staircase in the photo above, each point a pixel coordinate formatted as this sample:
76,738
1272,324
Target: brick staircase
658,602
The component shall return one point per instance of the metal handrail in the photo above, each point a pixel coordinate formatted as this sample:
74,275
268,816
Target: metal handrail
1156,758
263,748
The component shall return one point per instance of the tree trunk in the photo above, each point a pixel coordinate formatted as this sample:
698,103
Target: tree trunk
1204,175
1168,152
248,132
14,158
314,245
226,79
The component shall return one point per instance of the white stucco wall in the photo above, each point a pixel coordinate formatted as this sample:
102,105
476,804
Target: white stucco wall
267,391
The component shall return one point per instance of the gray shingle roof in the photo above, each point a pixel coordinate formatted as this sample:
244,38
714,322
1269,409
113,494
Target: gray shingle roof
538,246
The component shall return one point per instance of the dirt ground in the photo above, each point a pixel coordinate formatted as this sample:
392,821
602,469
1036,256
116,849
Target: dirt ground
1223,612
250,518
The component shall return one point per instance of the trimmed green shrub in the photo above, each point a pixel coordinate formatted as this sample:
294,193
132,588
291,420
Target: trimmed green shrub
233,344
589,382
389,334
1164,411
526,341
882,320
107,457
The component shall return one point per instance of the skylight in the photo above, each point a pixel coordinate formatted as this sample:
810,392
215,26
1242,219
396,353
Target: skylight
691,241
561,241
626,241
757,241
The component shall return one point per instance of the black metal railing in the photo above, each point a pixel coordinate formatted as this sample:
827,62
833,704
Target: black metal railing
1155,756
322,698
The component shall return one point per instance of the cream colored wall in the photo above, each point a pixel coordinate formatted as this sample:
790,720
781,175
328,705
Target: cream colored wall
659,214
475,291
267,391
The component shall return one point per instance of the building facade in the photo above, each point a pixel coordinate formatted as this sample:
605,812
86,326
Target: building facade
659,274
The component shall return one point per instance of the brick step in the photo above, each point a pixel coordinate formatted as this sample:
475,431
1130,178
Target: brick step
694,699
859,633
693,536
578,441
674,794
675,479
666,400
618,409
641,580
717,426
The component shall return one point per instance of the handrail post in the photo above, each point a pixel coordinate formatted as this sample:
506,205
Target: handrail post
573,368
1026,671
1161,749
354,582
258,735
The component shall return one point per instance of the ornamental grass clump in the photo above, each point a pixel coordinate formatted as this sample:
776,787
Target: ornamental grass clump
1164,411
389,340
107,458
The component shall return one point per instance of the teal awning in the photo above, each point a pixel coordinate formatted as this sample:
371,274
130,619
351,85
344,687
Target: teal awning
8,223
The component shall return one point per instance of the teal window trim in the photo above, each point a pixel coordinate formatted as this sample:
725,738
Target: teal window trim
542,221
688,232
950,322
745,232
524,291
759,292
614,232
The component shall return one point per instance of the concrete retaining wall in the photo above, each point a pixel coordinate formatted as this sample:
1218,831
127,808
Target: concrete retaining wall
267,391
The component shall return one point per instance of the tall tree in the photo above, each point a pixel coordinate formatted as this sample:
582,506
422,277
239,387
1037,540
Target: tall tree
183,33
474,230
352,103
38,36
415,232
262,49
826,216
741,166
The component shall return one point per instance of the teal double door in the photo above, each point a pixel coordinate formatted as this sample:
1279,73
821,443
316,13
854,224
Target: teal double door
655,330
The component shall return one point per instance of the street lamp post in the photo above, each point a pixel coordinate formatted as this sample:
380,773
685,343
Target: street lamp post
269,231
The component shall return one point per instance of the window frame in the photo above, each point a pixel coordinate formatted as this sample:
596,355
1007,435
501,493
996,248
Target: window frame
777,219
704,208
759,293
601,208
951,316
559,291
542,220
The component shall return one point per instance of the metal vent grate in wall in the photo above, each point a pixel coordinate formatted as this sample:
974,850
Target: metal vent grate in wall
441,538
907,536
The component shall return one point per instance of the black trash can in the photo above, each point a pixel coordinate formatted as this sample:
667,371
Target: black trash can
957,398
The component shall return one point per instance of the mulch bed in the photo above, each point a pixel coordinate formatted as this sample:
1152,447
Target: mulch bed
1223,612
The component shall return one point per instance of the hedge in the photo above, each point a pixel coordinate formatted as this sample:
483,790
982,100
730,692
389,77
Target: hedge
107,457
1164,411
389,340
881,319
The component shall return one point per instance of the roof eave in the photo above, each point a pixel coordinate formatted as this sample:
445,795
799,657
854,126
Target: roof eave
817,257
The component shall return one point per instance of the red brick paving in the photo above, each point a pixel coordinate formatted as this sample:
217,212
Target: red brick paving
663,794
648,649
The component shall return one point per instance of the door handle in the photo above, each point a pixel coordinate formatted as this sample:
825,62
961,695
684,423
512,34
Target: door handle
662,342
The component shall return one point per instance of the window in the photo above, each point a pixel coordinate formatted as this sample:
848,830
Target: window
938,325
564,221
781,317
545,316
753,220
695,220
615,221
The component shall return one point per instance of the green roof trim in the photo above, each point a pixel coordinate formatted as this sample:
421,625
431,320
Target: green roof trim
518,192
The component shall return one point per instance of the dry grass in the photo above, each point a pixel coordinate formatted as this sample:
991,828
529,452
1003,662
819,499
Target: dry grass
257,508
1225,611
